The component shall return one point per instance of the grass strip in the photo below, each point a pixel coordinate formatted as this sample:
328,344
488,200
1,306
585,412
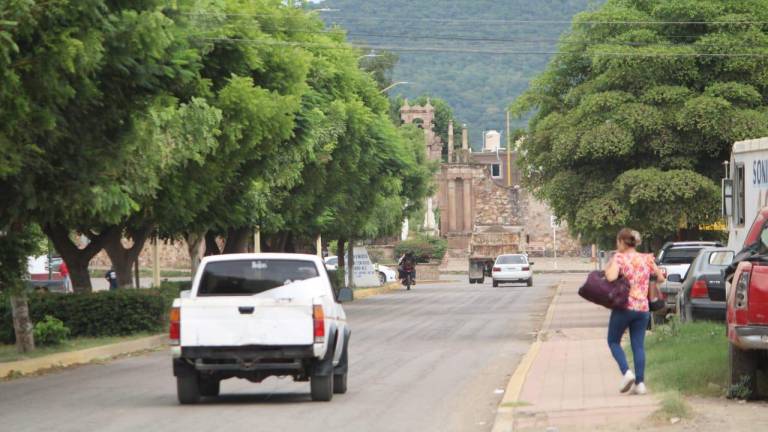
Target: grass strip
8,352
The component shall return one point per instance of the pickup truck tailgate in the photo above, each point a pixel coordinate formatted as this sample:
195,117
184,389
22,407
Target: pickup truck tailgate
245,320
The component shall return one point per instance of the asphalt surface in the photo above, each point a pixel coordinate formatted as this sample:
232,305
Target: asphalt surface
431,359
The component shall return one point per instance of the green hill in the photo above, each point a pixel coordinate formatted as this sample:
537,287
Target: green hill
476,54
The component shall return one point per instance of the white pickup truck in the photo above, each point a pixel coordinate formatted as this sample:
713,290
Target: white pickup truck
253,316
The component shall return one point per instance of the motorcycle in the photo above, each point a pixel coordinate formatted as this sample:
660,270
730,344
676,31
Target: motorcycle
407,277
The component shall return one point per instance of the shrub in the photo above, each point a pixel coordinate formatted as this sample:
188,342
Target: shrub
425,248
106,313
50,331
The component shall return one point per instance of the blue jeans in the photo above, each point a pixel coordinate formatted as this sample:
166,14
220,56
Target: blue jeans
637,322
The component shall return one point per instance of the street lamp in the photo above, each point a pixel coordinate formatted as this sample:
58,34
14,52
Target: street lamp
393,85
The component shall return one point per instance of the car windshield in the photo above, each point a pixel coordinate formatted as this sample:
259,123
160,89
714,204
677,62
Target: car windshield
249,277
679,256
511,259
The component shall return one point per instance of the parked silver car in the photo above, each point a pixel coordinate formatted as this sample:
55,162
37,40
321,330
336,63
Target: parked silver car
702,295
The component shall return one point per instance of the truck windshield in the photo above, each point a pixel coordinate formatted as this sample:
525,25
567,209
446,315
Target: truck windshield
249,277
679,256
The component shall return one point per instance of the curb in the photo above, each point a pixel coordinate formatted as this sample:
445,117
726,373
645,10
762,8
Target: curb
505,413
30,366
360,294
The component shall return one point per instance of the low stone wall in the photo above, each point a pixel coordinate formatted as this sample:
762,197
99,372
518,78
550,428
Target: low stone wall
429,271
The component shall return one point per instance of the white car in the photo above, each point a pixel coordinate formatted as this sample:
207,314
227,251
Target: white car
386,274
512,268
332,263
253,316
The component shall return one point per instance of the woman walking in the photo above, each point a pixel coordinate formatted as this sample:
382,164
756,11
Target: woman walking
637,268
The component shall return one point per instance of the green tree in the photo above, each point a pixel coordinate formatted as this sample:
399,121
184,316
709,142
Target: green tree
631,122
77,80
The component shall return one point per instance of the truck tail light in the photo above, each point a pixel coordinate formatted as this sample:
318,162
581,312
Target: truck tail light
497,269
318,319
699,289
175,327
742,288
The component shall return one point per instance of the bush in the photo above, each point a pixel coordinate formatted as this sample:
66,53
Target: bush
50,331
425,248
106,313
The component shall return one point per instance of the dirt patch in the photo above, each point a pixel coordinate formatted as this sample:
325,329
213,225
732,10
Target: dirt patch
712,415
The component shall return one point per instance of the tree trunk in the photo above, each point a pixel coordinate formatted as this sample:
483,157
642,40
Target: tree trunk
77,259
211,247
340,251
237,240
351,263
194,241
22,323
123,258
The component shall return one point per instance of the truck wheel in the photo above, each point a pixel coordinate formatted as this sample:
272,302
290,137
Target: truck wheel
210,387
481,280
321,387
340,378
743,367
471,281
188,388
340,383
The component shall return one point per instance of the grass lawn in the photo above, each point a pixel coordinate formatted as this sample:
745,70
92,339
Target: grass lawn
8,352
690,358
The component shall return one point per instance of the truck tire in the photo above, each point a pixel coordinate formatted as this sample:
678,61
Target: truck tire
321,387
743,369
188,389
340,379
210,387
481,280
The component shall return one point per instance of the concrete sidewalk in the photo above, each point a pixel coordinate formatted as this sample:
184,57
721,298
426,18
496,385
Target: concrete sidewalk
569,380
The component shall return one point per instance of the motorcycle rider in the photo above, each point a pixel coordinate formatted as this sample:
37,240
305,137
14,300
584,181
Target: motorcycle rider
406,265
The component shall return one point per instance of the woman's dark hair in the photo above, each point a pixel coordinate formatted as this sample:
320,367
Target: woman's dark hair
629,237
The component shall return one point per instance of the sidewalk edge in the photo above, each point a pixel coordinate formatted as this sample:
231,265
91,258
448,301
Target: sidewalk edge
30,366
504,421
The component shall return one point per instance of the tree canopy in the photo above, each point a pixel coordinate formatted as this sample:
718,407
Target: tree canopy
632,121
200,117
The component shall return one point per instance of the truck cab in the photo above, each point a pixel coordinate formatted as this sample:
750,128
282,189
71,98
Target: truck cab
253,316
745,200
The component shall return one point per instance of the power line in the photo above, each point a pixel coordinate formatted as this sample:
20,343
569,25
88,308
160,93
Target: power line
488,21
478,51
513,40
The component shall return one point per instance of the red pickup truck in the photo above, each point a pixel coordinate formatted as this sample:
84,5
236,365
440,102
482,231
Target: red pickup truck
747,307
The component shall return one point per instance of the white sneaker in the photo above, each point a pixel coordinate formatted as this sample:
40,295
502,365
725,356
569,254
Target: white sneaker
627,381
639,389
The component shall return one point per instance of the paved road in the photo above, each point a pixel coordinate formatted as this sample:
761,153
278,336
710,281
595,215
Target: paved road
425,360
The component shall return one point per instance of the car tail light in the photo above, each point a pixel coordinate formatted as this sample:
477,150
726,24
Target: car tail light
318,318
175,328
699,289
742,288
526,268
497,269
